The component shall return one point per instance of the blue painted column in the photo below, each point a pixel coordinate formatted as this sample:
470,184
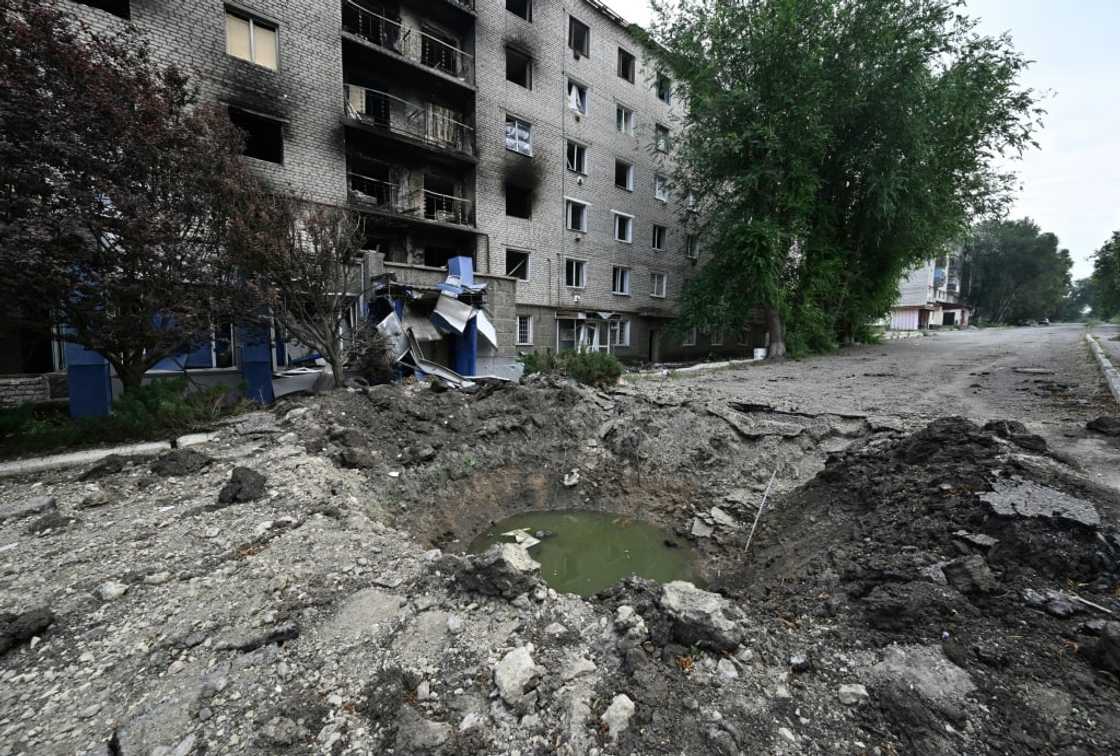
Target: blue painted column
465,359
256,363
90,382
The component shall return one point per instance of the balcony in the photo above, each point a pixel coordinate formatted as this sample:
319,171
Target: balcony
388,197
430,124
411,44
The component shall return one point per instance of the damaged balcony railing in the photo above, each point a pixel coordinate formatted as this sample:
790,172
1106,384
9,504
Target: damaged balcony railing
387,196
418,46
431,123
447,208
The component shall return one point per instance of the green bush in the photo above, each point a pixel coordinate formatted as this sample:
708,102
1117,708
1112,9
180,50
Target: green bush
156,410
591,368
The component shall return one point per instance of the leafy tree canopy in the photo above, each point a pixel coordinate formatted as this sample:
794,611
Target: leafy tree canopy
829,146
1106,278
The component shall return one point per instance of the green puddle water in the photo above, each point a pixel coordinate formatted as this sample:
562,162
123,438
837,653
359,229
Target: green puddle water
591,551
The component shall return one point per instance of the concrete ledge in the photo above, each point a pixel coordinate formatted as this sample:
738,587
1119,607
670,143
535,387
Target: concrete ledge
1111,374
76,459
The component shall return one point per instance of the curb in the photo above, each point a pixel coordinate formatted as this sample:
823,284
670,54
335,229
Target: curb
1111,374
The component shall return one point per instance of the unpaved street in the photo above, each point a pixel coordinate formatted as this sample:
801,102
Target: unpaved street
917,584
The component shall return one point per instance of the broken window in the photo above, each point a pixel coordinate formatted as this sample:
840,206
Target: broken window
627,64
519,68
619,333
579,37
665,89
437,257
657,285
575,273
251,39
624,119
517,264
659,233
519,202
523,8
661,187
624,175
577,215
620,280
116,7
623,227
264,137
661,138
524,330
439,51
577,97
519,135
577,158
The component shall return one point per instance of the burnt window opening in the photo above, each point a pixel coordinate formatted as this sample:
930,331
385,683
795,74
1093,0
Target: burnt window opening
627,64
579,37
120,8
519,68
264,137
440,51
624,175
665,89
523,8
437,257
517,264
519,201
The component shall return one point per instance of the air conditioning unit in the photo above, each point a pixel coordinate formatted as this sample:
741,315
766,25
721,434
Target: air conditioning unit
579,180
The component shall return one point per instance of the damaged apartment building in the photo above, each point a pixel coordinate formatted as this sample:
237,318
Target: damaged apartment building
529,136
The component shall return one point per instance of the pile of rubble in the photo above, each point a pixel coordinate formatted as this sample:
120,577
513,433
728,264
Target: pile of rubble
275,590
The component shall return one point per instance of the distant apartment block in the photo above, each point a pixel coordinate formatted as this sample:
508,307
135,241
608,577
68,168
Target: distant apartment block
929,296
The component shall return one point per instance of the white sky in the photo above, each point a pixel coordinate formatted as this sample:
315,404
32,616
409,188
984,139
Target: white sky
1071,186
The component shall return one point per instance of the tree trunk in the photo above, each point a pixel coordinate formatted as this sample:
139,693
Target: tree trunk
777,350
131,376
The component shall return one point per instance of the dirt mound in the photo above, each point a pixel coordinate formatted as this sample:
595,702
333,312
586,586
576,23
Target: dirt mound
952,534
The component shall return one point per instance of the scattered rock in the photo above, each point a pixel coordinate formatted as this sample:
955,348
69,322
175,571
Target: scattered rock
723,519
1054,603
515,676
454,624
282,732
505,569
727,669
576,668
926,670
250,640
416,734
617,716
1105,652
970,574
244,485
96,499
571,479
22,627
50,521
1024,498
356,459
111,590
110,465
179,462
699,529
33,506
800,663
699,617
1109,426
852,694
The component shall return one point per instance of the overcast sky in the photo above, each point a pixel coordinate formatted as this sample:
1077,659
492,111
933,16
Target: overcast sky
1071,186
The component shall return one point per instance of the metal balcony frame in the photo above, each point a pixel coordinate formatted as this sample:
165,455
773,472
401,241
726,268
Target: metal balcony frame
416,124
410,46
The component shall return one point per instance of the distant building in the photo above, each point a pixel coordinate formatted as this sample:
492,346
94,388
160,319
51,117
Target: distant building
929,296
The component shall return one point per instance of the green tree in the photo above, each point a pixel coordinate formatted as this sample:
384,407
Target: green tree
1106,278
1014,272
829,146
1079,300
116,194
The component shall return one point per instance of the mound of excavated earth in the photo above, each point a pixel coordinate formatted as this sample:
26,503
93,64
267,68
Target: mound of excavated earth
277,590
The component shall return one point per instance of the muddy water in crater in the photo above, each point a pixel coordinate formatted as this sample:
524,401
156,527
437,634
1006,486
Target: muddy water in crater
589,551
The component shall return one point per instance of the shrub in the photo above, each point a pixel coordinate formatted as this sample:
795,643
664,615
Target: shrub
591,368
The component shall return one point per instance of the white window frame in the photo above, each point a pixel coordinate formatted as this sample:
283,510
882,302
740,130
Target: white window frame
582,170
629,238
633,65
664,237
689,338
528,319
654,276
618,333
628,122
568,202
585,53
620,274
692,246
528,263
716,337
658,130
585,100
661,187
254,24
582,273
518,121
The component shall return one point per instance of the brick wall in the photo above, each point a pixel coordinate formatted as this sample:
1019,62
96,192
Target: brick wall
17,390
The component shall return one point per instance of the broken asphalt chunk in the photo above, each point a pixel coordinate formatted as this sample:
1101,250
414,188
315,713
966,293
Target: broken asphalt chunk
180,462
505,570
701,618
20,628
244,485
33,506
1109,426
1024,498
252,639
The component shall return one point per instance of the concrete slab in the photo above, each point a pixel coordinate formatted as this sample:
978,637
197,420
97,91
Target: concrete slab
78,459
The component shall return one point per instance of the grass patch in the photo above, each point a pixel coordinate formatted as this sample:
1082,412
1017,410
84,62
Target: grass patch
156,411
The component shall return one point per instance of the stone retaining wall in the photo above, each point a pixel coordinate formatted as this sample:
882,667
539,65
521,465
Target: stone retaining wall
18,389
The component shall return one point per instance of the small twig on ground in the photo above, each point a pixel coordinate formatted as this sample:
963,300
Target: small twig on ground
1089,603
761,509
